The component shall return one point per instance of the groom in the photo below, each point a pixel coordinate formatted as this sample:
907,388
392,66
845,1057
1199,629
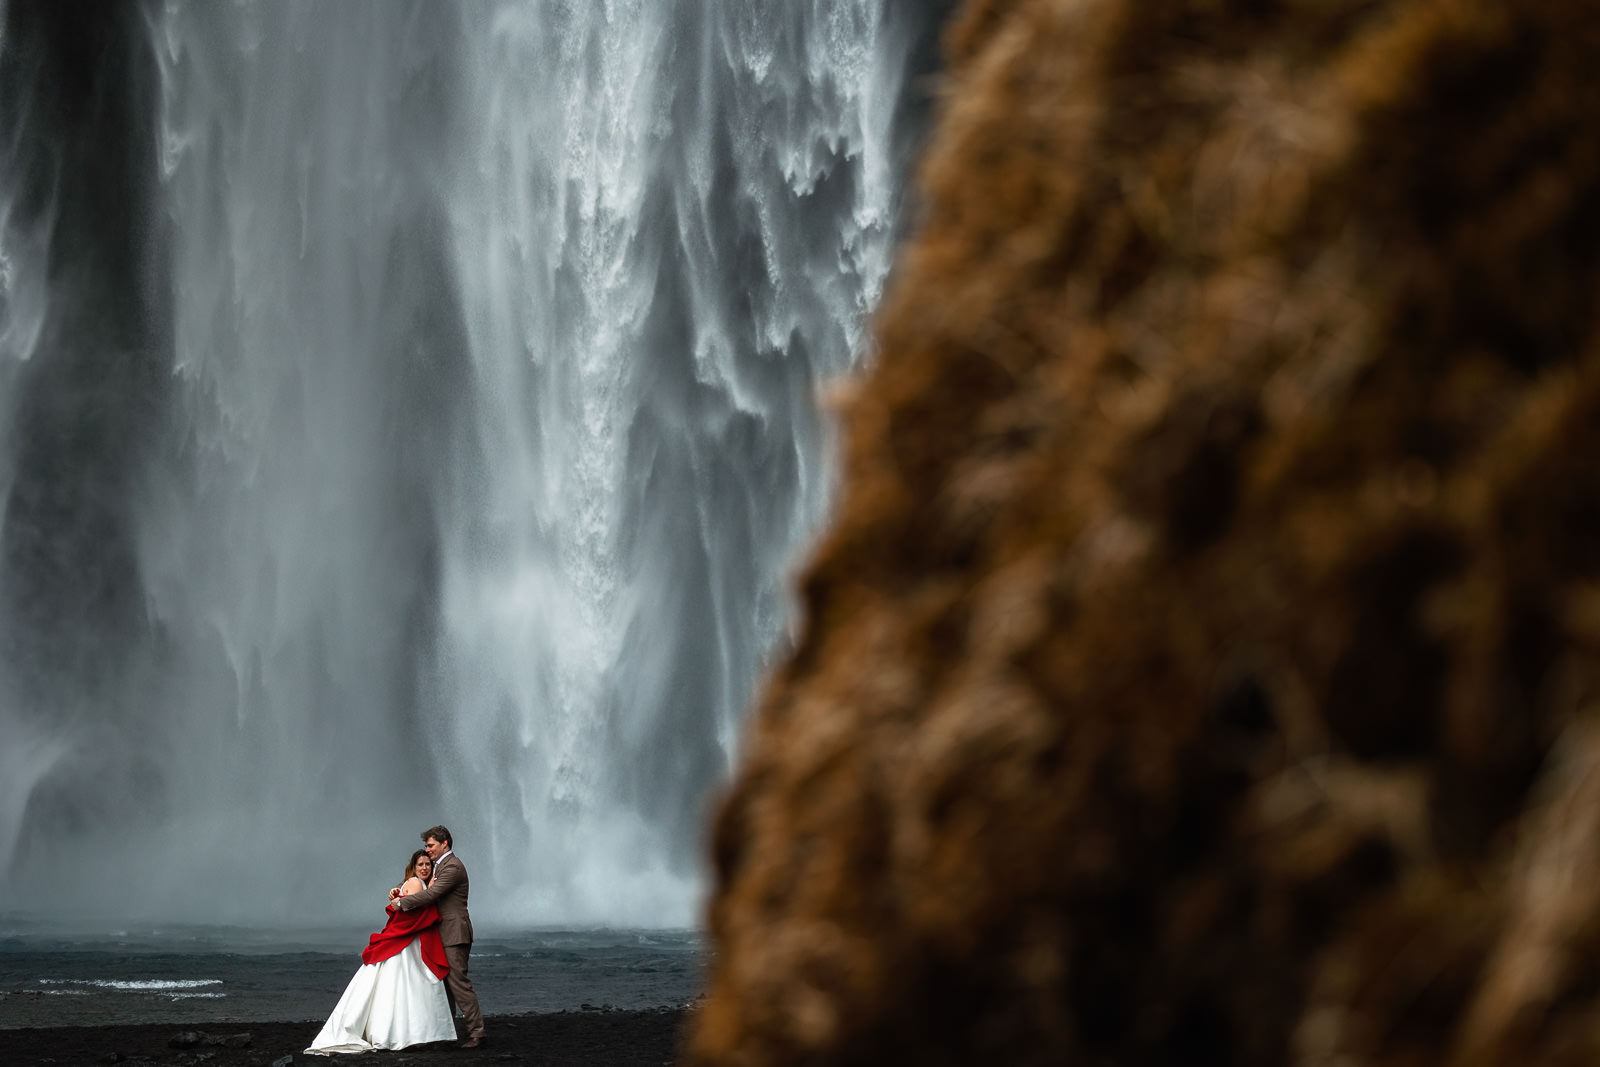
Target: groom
448,892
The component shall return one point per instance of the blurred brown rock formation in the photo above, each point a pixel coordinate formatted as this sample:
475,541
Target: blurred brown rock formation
1203,665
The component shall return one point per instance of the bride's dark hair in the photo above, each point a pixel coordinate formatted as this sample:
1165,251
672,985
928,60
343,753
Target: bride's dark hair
411,868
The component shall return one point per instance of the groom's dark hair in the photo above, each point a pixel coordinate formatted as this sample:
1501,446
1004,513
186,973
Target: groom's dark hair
438,833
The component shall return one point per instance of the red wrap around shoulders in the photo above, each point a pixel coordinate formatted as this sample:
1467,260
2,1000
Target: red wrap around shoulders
398,932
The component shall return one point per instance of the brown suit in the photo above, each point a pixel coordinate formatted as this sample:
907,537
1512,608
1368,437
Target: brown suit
448,893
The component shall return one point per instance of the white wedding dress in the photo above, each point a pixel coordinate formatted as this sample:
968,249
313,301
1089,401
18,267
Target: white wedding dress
388,1005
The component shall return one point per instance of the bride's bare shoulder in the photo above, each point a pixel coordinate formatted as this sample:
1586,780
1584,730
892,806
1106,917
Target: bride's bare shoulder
411,885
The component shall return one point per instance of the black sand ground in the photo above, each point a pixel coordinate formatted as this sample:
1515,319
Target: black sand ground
569,1039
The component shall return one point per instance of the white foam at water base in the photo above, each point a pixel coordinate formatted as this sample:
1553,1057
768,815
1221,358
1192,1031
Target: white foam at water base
135,984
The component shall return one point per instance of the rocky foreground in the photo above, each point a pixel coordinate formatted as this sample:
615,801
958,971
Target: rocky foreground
1203,662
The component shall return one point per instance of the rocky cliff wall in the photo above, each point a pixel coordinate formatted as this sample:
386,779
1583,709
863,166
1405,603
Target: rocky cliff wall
1202,665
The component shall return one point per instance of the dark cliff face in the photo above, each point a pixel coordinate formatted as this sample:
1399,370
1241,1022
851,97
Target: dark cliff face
1200,666
78,159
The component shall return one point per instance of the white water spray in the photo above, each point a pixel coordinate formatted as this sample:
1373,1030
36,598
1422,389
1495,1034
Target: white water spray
490,437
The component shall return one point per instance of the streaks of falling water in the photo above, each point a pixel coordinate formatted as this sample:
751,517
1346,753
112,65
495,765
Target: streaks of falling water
670,223
494,333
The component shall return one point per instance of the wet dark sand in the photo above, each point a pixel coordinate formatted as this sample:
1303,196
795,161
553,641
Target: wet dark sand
574,1039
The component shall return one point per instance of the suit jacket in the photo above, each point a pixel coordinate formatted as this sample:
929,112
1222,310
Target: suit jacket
448,893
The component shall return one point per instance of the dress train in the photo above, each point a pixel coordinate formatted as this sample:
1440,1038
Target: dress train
392,1004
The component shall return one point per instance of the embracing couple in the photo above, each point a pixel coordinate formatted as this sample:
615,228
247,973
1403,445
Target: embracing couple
414,970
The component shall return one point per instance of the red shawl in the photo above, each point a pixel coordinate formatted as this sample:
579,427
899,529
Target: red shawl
397,934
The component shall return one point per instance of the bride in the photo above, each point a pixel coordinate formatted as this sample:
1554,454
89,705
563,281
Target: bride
397,998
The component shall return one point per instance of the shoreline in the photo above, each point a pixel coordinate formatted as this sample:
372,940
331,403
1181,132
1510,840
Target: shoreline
601,1037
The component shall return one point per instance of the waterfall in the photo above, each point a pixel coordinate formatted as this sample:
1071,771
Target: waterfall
472,434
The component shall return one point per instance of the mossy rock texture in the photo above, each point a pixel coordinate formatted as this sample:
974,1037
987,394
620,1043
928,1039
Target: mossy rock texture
1203,663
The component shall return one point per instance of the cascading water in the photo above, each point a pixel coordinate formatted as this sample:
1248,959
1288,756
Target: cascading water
457,433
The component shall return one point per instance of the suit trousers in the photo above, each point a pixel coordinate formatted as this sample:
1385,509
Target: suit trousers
459,986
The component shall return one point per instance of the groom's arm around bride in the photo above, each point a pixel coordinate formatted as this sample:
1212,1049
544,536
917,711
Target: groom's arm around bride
448,890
